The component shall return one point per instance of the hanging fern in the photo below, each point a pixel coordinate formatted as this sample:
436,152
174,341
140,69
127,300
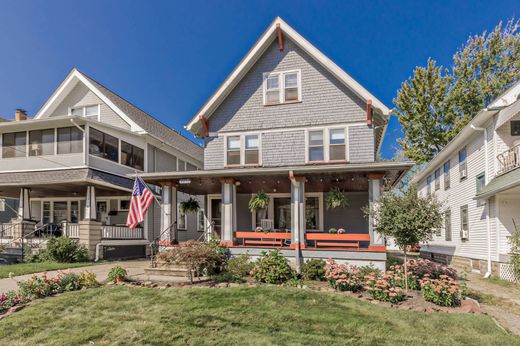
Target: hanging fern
259,201
336,199
190,206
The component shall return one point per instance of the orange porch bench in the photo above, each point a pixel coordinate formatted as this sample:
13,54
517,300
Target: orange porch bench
261,238
337,240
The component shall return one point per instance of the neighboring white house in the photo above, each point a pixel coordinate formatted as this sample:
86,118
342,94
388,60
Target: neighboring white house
477,176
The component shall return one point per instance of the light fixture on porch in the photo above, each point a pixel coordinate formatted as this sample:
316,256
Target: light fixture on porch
74,193
184,181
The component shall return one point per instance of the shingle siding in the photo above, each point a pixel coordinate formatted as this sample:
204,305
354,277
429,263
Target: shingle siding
325,100
283,148
214,153
361,144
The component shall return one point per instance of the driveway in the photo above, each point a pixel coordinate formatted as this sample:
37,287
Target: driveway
134,268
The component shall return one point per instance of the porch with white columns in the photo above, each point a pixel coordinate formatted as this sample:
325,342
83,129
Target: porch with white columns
90,204
169,213
298,212
228,226
89,227
374,193
24,208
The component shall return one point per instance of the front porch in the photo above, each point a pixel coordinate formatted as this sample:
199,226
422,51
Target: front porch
296,221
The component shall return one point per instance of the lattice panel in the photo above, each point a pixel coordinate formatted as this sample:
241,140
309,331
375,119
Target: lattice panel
506,272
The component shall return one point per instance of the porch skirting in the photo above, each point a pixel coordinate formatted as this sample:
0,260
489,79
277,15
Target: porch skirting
357,258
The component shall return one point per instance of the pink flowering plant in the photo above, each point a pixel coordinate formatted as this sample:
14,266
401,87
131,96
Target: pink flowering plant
44,286
383,287
444,291
10,299
342,277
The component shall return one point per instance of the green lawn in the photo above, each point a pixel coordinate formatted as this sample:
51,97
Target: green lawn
235,316
29,268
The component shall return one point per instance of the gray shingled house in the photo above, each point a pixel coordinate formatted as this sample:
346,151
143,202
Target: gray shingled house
291,123
69,166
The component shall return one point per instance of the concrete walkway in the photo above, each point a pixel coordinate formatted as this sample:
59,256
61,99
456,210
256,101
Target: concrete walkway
134,268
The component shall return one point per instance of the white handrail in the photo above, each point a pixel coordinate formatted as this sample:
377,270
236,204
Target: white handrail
121,232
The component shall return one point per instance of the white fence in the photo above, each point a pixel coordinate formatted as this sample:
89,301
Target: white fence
121,232
71,230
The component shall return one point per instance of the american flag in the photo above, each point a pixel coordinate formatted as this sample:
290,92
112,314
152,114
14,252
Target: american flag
142,197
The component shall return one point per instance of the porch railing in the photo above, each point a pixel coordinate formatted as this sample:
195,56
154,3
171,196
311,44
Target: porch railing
121,232
6,230
509,160
71,230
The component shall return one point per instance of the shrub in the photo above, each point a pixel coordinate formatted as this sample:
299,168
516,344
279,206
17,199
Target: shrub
40,286
199,257
368,270
444,291
61,249
69,282
117,274
393,261
238,267
294,282
383,288
10,299
88,279
313,269
272,268
342,277
515,253
421,267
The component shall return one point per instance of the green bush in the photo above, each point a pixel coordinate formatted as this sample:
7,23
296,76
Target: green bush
117,274
88,279
272,268
445,291
393,261
61,249
313,269
238,267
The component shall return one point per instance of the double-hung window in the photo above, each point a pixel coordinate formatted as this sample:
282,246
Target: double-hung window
446,175
447,225
41,142
282,87
481,182
316,146
132,156
437,179
464,222
243,150
14,144
337,147
429,185
463,167
182,220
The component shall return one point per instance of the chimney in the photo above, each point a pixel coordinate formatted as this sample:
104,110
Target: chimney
20,115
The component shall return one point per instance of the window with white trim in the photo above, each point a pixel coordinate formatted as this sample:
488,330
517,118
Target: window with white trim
2,204
282,87
201,217
326,145
85,111
243,150
316,146
437,175
463,167
337,147
182,220
464,222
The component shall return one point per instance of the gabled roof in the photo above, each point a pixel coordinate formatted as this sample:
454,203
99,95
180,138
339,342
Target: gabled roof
139,121
257,51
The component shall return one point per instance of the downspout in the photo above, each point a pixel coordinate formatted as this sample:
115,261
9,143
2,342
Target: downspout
486,177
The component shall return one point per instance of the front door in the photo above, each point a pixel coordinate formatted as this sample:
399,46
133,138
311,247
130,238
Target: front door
102,211
215,217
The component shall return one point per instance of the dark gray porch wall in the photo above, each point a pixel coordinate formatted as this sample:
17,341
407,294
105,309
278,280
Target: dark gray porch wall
352,218
325,101
243,213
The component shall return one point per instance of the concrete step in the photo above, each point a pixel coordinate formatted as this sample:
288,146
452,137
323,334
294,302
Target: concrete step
165,271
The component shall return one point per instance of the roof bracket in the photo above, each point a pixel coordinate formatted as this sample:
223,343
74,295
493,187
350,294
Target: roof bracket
204,123
369,113
280,37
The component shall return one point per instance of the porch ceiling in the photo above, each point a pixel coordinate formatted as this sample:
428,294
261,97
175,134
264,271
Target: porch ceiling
63,183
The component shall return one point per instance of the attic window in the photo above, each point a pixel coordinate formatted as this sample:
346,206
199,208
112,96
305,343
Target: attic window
282,87
86,111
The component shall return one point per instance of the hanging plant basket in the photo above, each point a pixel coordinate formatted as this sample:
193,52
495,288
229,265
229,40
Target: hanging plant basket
190,206
336,199
259,201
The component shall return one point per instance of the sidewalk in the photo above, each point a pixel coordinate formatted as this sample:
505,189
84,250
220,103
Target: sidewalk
134,268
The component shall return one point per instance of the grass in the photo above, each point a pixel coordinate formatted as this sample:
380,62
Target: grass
235,316
501,282
30,268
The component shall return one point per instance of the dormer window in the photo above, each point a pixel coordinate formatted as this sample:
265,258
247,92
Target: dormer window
282,87
86,111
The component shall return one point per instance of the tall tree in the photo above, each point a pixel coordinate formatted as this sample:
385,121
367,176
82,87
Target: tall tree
435,104
424,112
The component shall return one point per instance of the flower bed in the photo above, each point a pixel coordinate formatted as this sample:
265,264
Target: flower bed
444,291
342,277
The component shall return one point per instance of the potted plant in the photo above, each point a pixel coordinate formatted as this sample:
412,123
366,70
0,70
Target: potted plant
190,206
117,275
259,201
333,230
336,199
341,231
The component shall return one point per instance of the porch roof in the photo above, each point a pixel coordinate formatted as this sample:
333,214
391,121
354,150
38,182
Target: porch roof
351,177
500,183
62,183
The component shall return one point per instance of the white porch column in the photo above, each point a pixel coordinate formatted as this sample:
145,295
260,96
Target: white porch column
228,211
24,208
374,193
169,213
298,212
90,204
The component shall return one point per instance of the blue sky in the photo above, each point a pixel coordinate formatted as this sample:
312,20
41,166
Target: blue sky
168,57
